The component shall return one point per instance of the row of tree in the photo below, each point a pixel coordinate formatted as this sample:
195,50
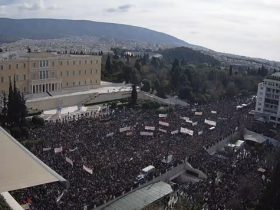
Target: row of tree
194,83
14,112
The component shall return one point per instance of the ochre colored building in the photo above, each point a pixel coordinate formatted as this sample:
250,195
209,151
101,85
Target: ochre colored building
41,72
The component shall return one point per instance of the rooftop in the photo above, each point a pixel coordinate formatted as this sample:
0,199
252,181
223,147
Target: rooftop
275,76
142,197
20,168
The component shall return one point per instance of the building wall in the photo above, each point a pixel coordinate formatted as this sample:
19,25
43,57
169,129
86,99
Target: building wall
268,100
41,72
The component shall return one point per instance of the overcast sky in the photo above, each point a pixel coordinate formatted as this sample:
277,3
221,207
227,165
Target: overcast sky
243,27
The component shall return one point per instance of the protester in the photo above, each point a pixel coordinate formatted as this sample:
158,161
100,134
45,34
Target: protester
101,154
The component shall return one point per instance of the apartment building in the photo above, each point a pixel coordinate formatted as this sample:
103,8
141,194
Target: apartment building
41,72
268,99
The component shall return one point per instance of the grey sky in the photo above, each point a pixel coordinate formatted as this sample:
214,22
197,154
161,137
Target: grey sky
244,27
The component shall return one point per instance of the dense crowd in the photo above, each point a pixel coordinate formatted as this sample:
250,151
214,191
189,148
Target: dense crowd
116,158
235,179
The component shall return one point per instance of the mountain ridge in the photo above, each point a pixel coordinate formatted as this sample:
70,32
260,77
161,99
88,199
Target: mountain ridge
16,29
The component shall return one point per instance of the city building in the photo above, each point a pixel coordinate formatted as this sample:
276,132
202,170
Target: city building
268,99
49,72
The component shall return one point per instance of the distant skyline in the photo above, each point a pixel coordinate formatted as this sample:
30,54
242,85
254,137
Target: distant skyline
242,27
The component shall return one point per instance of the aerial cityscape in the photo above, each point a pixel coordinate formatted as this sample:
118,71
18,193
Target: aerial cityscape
129,105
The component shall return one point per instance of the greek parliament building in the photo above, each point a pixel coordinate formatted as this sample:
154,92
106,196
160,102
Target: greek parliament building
268,99
49,72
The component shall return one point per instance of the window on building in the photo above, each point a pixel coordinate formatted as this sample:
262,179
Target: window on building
9,78
1,67
2,79
91,71
73,83
96,61
96,71
17,66
53,63
80,62
61,63
17,77
67,62
67,84
73,62
85,82
79,72
24,89
96,81
47,63
67,73
24,77
79,83
61,74
24,65
91,62
85,71
73,73
34,65
10,66
85,61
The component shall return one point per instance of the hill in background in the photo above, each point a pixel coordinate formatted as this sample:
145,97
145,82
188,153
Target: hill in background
16,29
187,56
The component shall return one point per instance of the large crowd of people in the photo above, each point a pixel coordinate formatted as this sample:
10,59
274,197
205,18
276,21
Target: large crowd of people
101,155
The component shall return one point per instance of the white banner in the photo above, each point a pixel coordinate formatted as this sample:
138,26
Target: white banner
46,149
213,112
89,170
72,150
144,133
58,149
194,123
210,122
162,115
68,160
110,134
150,128
174,132
162,130
124,129
212,128
187,131
198,113
200,133
163,123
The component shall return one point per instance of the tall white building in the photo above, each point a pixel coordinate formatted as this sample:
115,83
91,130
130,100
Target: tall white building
268,99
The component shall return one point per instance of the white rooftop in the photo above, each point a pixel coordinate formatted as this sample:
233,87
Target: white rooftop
20,168
142,197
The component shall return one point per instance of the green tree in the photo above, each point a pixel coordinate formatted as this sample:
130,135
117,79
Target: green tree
133,95
108,65
230,70
138,65
146,85
16,112
175,75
